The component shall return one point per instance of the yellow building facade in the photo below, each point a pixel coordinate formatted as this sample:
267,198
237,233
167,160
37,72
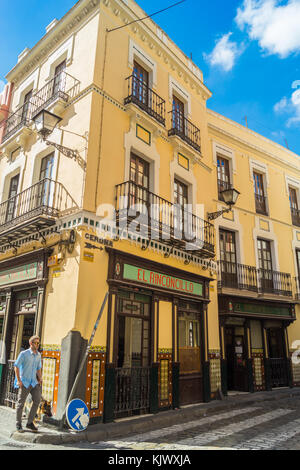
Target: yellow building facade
109,174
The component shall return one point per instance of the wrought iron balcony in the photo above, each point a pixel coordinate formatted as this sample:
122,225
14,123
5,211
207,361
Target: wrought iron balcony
185,129
275,282
239,276
295,216
261,204
20,118
62,87
35,207
155,218
146,99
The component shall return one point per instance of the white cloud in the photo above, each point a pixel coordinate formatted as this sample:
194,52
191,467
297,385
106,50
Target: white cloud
225,53
290,106
273,24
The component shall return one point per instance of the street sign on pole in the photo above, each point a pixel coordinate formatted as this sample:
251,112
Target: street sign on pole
84,359
77,414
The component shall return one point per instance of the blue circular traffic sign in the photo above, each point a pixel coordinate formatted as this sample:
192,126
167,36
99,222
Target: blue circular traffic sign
77,414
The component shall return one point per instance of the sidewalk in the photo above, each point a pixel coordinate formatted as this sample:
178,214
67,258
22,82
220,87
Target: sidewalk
99,432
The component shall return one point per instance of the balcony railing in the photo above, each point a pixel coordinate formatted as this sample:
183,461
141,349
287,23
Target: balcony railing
45,198
62,86
261,204
20,118
185,129
141,95
239,276
275,282
295,216
155,218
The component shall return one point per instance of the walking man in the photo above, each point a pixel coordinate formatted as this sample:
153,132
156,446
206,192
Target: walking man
28,370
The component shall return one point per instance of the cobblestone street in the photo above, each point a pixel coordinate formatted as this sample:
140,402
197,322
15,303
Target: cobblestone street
262,425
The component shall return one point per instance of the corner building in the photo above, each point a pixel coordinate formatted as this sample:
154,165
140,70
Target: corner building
115,199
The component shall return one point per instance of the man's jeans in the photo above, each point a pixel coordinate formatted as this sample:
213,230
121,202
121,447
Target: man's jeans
36,394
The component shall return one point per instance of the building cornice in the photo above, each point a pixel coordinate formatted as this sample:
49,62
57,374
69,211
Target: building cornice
148,32
251,146
76,15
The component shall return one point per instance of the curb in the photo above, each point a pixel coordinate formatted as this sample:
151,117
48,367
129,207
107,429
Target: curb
101,432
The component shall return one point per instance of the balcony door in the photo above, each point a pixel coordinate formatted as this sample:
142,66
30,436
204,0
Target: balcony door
265,264
178,115
140,84
12,198
223,176
59,81
45,185
228,258
181,222
260,199
294,206
26,107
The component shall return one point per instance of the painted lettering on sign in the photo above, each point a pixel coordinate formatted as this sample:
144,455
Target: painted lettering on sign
165,281
18,274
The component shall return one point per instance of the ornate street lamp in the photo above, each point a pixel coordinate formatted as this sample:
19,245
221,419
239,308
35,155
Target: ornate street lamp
230,197
45,123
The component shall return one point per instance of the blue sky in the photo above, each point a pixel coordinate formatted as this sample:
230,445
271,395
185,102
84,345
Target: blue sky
248,51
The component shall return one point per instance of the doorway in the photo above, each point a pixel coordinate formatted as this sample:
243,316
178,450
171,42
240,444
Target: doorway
132,354
22,325
235,350
277,357
190,353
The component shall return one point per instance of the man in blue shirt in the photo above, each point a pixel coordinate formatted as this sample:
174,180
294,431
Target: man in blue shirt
28,370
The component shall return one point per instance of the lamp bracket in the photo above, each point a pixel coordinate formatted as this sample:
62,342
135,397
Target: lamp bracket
215,215
70,153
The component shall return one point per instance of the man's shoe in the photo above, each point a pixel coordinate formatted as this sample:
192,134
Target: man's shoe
32,427
19,428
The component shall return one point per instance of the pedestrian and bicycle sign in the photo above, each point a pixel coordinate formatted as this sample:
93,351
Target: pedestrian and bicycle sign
77,414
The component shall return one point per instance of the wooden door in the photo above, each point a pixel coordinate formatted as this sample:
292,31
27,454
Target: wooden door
190,353
140,84
265,265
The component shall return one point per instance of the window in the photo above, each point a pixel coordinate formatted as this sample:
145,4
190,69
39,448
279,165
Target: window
223,176
59,78
140,83
45,185
12,199
260,199
180,193
294,206
139,178
26,106
265,264
178,115
298,261
228,258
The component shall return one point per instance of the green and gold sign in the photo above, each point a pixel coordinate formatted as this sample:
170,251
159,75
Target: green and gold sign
134,273
18,274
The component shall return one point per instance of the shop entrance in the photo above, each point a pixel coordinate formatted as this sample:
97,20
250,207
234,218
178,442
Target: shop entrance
21,327
277,357
132,354
190,354
235,351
